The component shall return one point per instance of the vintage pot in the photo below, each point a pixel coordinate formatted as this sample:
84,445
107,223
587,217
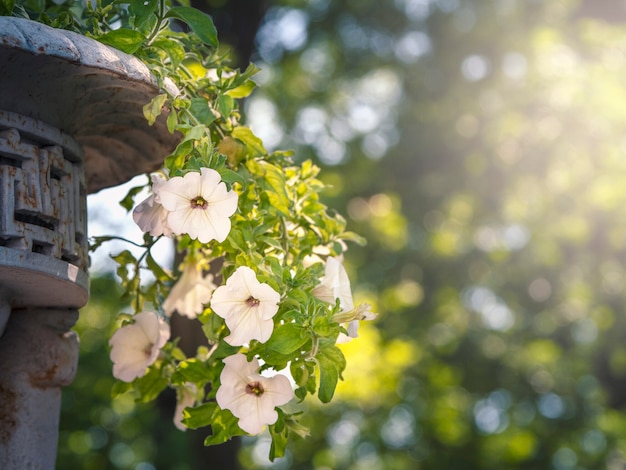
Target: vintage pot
71,123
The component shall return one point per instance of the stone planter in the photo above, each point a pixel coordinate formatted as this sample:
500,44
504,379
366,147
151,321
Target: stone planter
71,123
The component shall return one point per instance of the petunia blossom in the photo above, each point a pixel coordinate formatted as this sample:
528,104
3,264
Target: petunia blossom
336,285
151,216
136,346
247,306
199,205
185,397
250,396
354,317
190,293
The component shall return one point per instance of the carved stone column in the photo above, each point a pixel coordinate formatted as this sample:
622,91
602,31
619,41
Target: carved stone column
43,276
71,122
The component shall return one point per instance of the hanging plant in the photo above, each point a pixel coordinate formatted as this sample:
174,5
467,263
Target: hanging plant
262,255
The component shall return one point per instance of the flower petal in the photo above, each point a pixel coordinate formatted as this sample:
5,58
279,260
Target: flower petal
336,279
136,346
246,327
151,217
253,421
184,398
247,306
278,389
206,221
253,410
190,293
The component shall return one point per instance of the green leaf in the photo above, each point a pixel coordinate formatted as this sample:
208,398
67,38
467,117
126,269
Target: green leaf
224,427
6,7
177,159
242,90
200,109
299,372
96,242
237,240
143,9
154,108
353,237
199,416
125,257
279,440
329,376
231,177
298,295
129,200
253,144
311,384
331,362
274,184
126,40
296,428
199,22
172,48
157,270
323,327
120,388
274,263
192,370
287,338
150,385
225,105
274,244
172,121
195,133
224,349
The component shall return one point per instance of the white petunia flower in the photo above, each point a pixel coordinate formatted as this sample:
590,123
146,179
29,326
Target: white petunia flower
151,216
185,397
247,306
199,205
136,346
354,317
250,396
336,285
190,293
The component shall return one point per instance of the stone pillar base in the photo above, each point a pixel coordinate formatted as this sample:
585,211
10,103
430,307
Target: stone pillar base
38,356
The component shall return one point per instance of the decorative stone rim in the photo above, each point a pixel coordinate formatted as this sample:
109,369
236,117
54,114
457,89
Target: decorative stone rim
35,280
40,39
88,90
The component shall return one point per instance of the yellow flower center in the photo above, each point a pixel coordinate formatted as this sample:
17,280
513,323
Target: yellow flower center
255,388
199,202
252,302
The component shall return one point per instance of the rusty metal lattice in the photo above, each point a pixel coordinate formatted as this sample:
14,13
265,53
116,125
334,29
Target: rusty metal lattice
42,191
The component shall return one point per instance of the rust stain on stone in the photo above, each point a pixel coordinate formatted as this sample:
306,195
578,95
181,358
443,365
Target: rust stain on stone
46,379
8,413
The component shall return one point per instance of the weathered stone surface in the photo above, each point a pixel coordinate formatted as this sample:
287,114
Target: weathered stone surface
38,355
87,90
43,226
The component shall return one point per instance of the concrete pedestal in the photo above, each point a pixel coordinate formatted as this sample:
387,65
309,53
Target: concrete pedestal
71,122
38,356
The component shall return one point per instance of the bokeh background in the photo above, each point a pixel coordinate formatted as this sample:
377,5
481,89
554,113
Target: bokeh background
480,147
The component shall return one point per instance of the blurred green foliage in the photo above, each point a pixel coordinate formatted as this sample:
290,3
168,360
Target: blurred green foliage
479,146
98,431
